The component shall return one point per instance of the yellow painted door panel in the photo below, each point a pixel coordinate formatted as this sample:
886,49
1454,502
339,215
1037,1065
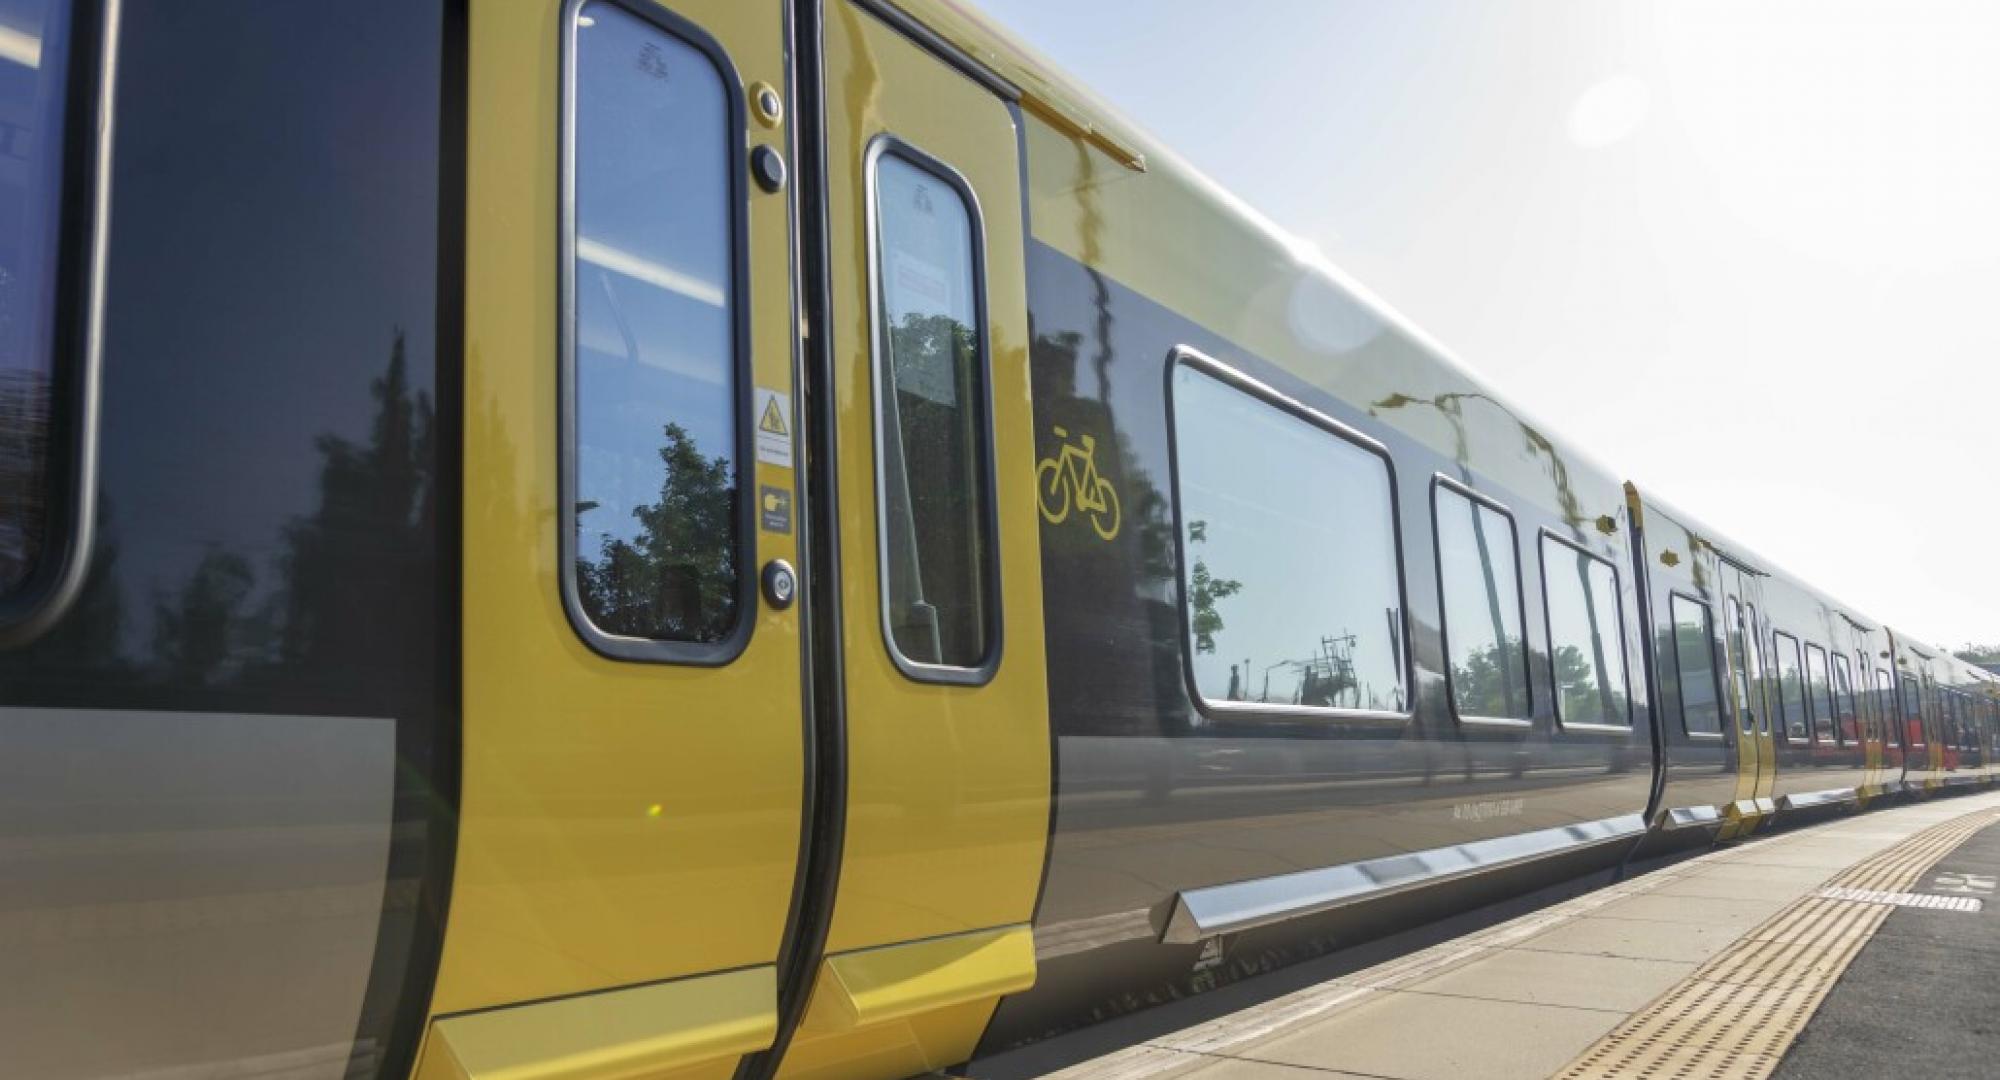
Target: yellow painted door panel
948,783
630,827
1746,644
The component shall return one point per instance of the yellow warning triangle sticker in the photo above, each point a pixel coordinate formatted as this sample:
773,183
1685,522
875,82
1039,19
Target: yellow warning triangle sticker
772,421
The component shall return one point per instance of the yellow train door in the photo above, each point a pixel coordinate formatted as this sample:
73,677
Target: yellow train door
1756,750
635,753
916,921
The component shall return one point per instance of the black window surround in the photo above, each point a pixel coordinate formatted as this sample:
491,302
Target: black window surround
889,145
616,646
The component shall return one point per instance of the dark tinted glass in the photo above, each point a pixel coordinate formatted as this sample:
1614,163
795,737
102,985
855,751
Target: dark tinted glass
1482,607
1694,651
1289,568
930,371
657,476
1789,686
34,47
258,641
1586,649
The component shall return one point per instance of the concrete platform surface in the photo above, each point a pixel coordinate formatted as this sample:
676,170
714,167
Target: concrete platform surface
1709,966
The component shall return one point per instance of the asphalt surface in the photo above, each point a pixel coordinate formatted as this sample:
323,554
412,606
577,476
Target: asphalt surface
1923,997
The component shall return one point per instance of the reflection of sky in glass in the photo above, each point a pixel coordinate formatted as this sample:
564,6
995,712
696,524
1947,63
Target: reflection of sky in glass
31,115
1482,608
1301,519
1696,656
30,182
1583,631
926,270
653,282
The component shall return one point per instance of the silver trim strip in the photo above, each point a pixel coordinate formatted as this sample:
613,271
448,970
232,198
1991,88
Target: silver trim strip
1683,817
1828,797
1243,905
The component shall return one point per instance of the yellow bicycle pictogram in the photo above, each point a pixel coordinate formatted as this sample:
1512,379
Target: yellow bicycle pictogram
1070,480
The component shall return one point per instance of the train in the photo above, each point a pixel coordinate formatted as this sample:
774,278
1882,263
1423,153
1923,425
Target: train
780,538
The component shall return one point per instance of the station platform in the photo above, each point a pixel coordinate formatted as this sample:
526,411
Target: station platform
1867,946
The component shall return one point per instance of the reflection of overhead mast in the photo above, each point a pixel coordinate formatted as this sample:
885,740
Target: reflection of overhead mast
1738,561
1333,668
1856,623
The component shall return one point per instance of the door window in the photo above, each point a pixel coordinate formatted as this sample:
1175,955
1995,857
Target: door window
655,508
932,429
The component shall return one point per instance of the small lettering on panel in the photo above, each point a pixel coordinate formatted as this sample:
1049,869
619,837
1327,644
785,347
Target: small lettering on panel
1488,810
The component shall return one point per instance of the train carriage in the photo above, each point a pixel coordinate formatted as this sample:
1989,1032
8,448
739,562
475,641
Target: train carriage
704,538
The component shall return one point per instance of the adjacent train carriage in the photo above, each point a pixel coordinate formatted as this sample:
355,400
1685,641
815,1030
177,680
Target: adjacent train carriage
705,538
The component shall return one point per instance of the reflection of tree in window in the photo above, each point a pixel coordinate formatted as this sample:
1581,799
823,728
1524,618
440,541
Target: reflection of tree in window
675,580
1205,591
1486,681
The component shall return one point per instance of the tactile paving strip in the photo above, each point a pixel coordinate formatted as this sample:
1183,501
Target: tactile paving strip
1737,1014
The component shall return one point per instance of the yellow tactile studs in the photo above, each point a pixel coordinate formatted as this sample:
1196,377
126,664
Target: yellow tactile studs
1737,1014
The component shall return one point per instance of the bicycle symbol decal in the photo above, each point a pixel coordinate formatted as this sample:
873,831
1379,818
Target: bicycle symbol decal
1070,481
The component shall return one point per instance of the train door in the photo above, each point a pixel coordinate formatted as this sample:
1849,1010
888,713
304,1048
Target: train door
635,731
1756,751
916,919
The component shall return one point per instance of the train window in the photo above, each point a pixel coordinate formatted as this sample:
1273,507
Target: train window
1845,725
1479,577
1694,657
1790,704
1885,708
1913,713
1819,696
1291,593
1586,638
932,476
655,351
31,102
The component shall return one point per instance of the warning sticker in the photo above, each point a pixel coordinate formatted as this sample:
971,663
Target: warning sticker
774,427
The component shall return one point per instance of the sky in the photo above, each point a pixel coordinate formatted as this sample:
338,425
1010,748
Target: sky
1746,254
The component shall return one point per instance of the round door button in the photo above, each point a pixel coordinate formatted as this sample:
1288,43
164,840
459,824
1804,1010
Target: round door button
781,586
